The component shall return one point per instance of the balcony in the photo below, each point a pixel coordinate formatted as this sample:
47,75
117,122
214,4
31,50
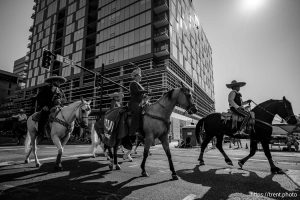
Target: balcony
30,37
31,29
34,7
29,45
161,6
161,35
163,50
161,20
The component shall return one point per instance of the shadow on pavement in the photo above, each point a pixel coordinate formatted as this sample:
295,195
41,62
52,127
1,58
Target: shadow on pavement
81,179
223,184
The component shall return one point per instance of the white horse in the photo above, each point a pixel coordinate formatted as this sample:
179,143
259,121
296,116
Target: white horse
61,129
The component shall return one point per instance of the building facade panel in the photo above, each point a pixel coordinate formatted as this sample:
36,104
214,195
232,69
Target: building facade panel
163,37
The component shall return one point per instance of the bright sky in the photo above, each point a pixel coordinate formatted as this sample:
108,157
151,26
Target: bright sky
256,41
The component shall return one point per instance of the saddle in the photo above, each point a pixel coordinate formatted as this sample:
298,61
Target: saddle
235,118
53,113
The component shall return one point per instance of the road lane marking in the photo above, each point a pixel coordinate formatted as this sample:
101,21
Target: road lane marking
190,197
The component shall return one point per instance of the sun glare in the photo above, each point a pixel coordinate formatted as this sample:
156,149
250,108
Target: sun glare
252,5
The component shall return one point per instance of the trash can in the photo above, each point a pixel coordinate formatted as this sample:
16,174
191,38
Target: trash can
188,135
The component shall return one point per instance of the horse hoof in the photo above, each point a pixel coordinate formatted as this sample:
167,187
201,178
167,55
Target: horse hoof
118,167
201,163
107,158
135,152
145,174
276,170
174,177
110,167
26,161
229,163
240,164
38,165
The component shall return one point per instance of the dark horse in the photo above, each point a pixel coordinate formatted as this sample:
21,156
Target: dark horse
265,112
156,122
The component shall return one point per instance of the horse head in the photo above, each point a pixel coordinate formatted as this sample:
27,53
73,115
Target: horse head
285,111
83,112
185,99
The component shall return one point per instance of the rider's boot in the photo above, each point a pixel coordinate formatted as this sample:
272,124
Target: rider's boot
242,131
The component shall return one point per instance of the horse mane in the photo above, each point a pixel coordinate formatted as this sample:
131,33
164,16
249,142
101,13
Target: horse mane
76,103
169,93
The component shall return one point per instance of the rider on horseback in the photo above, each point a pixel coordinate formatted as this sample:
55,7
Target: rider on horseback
137,94
50,99
236,103
116,99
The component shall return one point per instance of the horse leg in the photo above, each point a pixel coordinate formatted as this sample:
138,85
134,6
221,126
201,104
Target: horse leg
127,155
220,147
59,146
34,149
111,164
203,147
165,144
148,142
274,169
28,147
116,157
253,148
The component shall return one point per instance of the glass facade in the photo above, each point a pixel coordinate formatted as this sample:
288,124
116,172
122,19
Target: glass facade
189,46
164,37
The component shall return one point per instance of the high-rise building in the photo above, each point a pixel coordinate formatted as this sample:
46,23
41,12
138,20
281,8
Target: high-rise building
20,66
163,37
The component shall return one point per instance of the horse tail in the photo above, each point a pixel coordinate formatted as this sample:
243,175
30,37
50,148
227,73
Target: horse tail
94,139
27,142
199,129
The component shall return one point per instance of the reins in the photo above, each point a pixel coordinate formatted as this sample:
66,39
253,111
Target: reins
270,113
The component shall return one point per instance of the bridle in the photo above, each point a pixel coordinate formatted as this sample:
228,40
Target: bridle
79,121
272,114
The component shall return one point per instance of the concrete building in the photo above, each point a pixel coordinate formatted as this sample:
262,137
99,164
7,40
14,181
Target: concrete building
163,37
20,66
20,69
8,86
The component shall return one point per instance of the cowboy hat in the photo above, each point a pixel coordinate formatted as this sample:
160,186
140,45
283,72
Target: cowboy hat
116,94
136,72
55,78
234,83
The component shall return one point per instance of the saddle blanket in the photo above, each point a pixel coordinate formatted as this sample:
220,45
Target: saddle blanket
114,126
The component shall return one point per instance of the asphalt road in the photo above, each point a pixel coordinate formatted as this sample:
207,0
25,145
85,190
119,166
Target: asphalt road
84,177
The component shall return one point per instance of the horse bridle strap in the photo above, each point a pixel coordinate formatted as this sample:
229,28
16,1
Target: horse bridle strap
65,124
265,123
166,122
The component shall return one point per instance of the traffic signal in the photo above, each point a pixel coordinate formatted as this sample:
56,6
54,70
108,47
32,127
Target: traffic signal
47,57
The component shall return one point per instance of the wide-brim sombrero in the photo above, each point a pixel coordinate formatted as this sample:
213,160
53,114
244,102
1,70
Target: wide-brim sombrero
116,94
136,72
234,83
55,78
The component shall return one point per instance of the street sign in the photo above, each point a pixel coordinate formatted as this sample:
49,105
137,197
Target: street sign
65,60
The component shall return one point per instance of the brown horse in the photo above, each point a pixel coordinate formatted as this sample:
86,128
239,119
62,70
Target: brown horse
265,112
156,123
